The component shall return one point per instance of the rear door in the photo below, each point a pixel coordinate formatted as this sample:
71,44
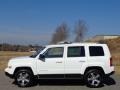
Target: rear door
75,58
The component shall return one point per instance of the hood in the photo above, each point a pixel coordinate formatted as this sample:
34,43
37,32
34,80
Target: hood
23,57
20,59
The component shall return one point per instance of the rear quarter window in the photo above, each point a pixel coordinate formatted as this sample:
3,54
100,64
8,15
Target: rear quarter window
96,51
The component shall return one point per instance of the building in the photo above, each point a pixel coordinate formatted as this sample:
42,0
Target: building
103,37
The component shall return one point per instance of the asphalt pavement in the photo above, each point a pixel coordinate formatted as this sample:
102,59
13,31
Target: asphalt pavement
112,83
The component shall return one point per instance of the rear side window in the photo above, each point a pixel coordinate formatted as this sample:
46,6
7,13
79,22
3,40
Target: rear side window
96,51
77,51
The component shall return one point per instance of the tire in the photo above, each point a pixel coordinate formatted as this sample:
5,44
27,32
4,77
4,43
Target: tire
94,78
24,78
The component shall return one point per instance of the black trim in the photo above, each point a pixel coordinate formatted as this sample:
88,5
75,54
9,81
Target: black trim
111,73
8,75
60,76
73,76
53,76
47,76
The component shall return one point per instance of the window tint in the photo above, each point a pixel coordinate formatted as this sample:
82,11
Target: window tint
76,51
96,51
54,52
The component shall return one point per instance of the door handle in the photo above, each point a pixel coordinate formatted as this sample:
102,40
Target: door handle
59,62
81,61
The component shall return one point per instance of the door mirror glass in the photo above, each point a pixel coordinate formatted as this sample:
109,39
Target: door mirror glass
42,57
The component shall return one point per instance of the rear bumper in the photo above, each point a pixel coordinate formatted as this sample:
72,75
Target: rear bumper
111,73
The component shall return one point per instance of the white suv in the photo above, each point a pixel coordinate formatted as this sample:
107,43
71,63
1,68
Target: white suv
87,61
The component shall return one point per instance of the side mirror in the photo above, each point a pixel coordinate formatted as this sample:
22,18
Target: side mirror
42,57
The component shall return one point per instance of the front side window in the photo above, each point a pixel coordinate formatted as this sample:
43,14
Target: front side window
54,52
96,51
77,51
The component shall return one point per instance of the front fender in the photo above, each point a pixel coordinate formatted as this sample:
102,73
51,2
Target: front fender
28,65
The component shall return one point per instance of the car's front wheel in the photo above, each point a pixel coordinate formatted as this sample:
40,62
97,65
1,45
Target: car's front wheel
23,78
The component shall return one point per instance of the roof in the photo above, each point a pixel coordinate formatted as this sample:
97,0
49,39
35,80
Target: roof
76,44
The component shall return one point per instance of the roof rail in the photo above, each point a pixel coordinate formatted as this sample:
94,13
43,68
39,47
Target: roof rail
64,42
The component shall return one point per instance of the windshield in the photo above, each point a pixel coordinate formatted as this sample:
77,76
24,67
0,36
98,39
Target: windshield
36,52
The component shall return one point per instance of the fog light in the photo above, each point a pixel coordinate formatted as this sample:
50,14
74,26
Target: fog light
9,66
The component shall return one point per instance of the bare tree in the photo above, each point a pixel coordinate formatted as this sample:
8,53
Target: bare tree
60,34
80,31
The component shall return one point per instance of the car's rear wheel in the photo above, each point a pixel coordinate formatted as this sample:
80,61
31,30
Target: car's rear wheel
94,78
23,78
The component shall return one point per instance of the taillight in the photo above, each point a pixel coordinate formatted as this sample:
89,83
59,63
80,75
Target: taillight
111,62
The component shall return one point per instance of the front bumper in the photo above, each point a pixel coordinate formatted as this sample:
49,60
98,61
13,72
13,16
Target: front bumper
9,72
8,75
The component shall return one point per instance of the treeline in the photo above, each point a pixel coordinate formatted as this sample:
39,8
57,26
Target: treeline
64,33
20,48
61,33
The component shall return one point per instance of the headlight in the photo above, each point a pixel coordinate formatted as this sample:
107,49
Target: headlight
9,66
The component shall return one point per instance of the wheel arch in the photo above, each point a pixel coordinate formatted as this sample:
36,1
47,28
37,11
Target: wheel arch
20,68
94,67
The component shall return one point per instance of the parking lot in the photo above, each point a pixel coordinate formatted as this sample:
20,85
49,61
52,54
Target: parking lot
6,83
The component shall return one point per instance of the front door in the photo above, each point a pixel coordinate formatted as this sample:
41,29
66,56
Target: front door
53,64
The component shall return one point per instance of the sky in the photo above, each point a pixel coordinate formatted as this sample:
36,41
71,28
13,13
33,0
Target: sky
34,21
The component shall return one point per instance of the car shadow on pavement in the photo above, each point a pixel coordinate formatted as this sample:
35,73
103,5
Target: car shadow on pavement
109,81
73,82
68,82
56,82
61,82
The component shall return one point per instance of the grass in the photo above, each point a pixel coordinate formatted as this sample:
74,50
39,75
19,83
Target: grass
117,70
6,55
